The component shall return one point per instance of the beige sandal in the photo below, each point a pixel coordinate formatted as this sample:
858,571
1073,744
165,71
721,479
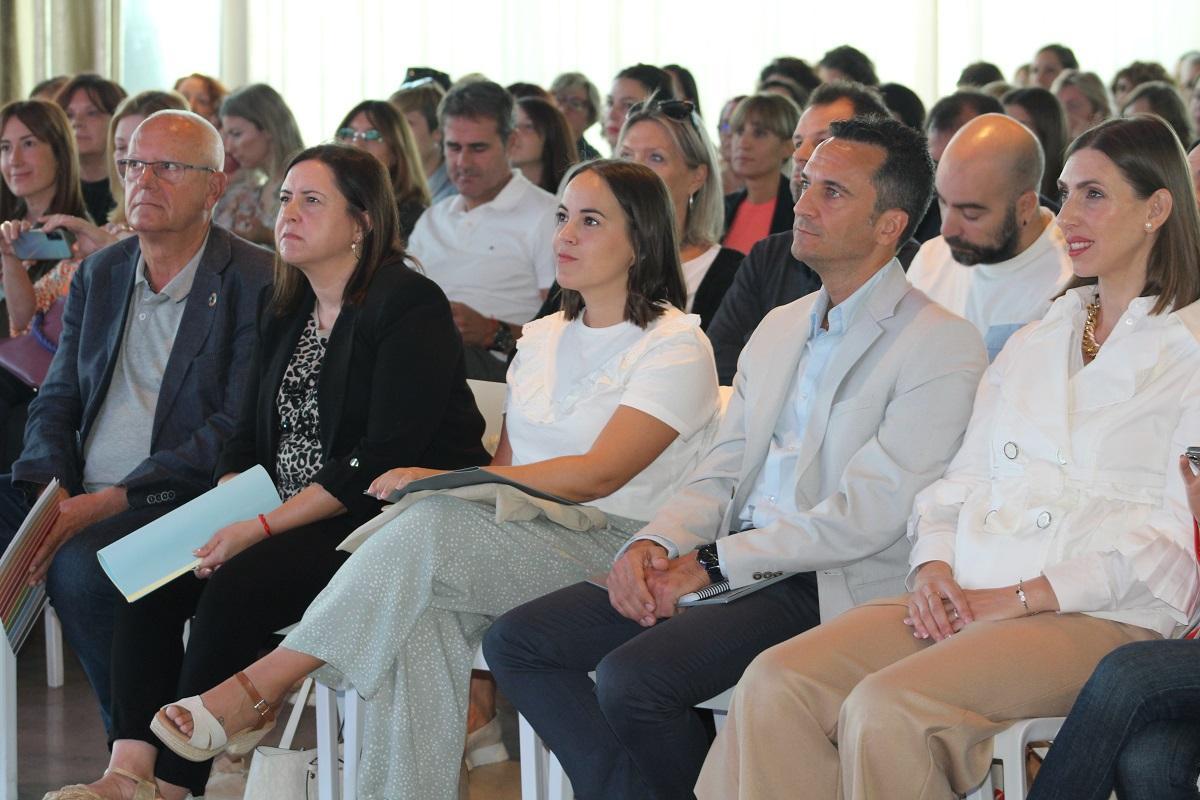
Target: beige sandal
145,790
208,737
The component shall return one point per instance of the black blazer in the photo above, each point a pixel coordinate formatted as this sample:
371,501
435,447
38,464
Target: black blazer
392,391
781,220
717,281
202,384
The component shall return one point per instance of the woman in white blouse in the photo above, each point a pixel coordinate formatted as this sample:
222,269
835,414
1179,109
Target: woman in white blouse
609,403
668,137
1059,532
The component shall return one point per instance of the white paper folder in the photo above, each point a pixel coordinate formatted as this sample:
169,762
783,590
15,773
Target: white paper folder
160,552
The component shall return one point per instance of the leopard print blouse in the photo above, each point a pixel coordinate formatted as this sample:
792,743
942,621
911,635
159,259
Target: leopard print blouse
300,455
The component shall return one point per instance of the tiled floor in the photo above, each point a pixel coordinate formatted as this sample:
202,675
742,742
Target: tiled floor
61,738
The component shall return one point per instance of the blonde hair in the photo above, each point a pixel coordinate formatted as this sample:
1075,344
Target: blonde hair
142,104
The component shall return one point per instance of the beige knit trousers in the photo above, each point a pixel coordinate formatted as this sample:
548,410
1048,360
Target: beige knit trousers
859,709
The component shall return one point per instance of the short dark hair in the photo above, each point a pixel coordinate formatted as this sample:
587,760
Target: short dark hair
864,99
525,89
1164,101
106,95
1150,157
797,93
905,178
650,215
476,100
1049,126
851,62
687,82
1064,54
363,181
1139,72
980,74
656,81
904,104
948,112
795,69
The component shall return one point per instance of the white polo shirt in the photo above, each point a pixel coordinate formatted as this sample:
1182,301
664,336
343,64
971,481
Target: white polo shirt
996,298
494,258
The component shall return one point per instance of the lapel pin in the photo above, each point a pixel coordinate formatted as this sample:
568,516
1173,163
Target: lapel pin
212,299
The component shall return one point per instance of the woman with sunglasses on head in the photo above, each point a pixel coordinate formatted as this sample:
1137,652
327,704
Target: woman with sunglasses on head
377,127
259,131
668,137
336,394
609,402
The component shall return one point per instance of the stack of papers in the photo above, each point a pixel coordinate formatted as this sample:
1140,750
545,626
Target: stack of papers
21,603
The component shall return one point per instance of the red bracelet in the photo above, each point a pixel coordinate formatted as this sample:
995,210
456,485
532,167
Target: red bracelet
263,519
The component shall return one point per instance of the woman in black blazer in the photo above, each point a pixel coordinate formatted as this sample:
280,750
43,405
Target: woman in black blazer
762,126
358,369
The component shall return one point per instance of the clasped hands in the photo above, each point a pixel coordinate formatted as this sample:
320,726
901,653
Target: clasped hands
644,583
939,608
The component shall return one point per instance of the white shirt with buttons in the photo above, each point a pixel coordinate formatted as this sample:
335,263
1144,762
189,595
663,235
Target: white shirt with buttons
1071,471
495,258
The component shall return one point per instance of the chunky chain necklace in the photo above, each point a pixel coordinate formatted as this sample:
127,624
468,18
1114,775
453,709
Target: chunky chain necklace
1090,346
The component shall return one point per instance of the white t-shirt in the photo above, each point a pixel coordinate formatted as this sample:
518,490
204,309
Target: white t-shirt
694,271
567,381
996,298
494,258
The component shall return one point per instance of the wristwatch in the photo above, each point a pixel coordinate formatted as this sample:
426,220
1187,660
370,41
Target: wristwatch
708,558
503,341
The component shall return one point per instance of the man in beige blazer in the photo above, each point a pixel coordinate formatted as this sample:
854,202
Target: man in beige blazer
846,403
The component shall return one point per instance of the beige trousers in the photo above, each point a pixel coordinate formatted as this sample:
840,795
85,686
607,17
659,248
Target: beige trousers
858,708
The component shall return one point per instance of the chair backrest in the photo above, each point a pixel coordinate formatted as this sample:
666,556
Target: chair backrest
489,397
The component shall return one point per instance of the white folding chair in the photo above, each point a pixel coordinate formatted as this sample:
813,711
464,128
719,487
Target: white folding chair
1009,749
54,648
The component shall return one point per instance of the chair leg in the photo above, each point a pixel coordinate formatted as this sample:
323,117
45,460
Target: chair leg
8,721
54,648
328,787
559,784
299,702
534,763
352,732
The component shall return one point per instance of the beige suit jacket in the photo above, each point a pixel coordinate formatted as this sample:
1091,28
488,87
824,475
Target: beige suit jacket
891,411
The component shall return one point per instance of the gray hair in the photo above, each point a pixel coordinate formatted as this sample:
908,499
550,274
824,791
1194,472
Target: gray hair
577,80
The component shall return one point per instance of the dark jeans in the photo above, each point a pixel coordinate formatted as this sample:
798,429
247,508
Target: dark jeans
234,615
634,733
82,595
1135,728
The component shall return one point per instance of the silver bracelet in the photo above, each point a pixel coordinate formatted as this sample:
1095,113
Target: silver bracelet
1022,598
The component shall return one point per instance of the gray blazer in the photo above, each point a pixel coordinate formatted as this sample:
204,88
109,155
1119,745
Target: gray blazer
201,387
890,414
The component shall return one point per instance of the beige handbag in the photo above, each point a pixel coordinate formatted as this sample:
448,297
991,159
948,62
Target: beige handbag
279,774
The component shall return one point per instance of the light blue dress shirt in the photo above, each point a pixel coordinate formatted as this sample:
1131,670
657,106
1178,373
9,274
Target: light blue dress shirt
774,493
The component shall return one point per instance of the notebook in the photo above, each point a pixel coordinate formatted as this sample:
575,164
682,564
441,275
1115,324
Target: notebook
158,553
21,603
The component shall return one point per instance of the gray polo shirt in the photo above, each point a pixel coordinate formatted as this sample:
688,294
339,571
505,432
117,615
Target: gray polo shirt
120,438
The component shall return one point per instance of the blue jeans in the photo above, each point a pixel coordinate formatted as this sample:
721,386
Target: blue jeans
82,595
1135,728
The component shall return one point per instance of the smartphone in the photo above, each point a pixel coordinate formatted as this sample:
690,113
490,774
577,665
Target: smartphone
1193,455
37,245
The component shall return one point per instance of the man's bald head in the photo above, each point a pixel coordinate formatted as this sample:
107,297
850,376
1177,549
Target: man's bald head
998,149
198,141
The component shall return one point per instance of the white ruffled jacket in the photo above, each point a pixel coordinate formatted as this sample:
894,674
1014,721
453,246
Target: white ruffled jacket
1075,476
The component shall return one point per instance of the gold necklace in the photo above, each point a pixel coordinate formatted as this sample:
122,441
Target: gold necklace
1090,346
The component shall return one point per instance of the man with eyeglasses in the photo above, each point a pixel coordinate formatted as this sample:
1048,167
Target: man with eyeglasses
490,247
146,384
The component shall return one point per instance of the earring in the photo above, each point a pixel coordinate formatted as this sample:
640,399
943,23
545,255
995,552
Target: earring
691,201
354,247
1149,227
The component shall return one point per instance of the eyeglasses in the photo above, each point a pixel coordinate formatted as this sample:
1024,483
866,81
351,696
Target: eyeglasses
678,110
573,103
351,135
130,169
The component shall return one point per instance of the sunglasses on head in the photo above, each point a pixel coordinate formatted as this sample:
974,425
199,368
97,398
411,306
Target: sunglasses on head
351,135
675,109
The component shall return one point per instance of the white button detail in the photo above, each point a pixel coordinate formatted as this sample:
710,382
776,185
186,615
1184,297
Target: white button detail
1011,450
142,315
1043,519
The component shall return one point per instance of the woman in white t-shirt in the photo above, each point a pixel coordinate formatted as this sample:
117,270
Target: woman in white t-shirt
610,402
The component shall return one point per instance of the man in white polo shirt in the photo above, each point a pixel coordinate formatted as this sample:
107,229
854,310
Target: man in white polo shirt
489,247
1001,258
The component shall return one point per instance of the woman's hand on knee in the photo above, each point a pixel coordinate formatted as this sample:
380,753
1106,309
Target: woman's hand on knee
398,478
227,543
937,606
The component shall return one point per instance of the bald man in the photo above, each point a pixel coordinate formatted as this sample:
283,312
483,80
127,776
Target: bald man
1000,258
148,376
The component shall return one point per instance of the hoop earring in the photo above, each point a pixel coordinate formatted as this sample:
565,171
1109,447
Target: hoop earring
354,248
